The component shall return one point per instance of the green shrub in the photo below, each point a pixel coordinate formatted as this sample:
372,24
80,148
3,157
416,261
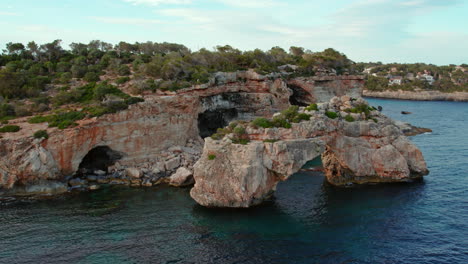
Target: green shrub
38,119
270,140
280,121
290,113
211,156
123,70
95,111
61,120
242,141
122,80
239,130
312,107
134,100
262,122
221,133
6,110
361,108
41,134
349,118
103,89
10,128
299,117
91,77
331,115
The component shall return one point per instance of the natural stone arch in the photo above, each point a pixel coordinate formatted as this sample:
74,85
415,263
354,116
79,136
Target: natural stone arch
99,158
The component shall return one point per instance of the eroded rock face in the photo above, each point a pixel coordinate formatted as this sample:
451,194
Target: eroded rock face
158,135
234,175
371,149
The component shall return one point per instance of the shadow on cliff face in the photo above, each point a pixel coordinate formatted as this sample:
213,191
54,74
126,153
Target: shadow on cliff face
100,158
210,120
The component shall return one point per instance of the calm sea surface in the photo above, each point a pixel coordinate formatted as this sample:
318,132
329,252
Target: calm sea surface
308,222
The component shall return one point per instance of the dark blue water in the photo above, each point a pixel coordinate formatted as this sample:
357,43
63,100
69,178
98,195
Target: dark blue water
308,222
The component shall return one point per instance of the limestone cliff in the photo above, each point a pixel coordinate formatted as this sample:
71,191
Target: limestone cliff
359,146
156,137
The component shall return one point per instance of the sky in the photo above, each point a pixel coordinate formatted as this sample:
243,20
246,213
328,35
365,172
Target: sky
404,31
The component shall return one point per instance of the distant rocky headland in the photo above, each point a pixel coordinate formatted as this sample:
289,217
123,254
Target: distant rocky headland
418,95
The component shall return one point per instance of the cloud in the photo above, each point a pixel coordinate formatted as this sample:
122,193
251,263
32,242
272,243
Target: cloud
250,3
127,21
231,3
8,14
159,2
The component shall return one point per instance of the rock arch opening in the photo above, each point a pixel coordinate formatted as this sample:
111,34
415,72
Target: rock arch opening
299,96
313,165
99,158
210,120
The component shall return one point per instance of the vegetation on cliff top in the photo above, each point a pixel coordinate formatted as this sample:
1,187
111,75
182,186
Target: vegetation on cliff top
40,78
98,78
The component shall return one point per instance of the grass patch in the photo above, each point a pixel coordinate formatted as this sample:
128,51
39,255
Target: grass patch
242,141
349,118
312,107
211,156
262,122
122,80
331,115
61,120
41,134
10,129
270,140
301,116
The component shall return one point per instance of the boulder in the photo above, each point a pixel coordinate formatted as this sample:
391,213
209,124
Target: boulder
133,172
182,177
172,164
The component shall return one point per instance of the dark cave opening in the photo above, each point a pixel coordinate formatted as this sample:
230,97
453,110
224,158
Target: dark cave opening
299,97
99,158
210,120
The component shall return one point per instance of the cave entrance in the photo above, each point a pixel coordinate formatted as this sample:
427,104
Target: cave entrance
210,120
300,96
99,158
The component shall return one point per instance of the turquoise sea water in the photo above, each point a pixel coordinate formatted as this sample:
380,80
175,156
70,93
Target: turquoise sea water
308,221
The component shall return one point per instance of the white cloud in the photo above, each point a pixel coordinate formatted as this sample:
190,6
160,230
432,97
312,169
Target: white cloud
191,15
232,3
159,2
127,21
250,3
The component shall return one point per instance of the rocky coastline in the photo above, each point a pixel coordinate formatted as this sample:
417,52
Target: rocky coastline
155,141
420,95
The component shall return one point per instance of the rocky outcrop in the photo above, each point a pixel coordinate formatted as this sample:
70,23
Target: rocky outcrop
367,148
410,130
318,89
156,137
234,175
420,95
